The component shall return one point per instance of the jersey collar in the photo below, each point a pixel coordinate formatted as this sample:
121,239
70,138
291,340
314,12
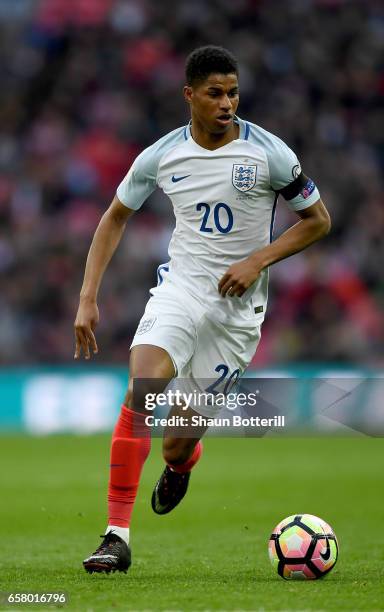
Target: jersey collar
243,129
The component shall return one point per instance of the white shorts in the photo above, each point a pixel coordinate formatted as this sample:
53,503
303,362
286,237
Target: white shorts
202,350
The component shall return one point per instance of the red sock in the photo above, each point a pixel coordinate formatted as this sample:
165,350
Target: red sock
131,441
188,465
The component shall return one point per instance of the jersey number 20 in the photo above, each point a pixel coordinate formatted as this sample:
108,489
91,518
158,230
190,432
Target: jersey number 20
222,217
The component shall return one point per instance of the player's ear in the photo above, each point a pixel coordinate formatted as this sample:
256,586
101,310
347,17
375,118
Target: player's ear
187,93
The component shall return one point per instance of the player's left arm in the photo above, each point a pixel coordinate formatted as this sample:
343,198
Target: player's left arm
314,224
301,196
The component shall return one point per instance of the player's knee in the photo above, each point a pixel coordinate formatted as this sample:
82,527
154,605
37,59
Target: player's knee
141,396
128,399
136,399
176,452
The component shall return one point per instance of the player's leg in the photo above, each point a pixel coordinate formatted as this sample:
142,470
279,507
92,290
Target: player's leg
221,354
182,448
152,368
163,344
129,450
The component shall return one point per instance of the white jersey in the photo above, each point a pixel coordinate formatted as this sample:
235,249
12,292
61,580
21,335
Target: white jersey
224,202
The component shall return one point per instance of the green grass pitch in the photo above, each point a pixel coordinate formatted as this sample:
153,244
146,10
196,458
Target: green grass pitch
211,552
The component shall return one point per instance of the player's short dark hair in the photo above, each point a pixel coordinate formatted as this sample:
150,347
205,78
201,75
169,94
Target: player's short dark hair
204,61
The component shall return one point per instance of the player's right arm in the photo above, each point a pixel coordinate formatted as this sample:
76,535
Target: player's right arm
135,188
105,241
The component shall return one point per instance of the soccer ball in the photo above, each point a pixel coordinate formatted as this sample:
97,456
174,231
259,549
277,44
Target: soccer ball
303,547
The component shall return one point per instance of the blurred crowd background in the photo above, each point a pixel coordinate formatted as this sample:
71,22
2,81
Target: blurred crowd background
87,84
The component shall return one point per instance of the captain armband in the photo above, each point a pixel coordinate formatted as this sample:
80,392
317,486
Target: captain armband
302,185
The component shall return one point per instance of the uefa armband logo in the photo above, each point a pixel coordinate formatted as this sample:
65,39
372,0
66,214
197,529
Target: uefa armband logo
244,176
308,189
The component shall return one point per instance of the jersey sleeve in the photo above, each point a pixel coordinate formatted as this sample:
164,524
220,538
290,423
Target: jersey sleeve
139,182
287,178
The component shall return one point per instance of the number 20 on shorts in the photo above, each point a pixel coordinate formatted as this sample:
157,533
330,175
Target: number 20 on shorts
230,382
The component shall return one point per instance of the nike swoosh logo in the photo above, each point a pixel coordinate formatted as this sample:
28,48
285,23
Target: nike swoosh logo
325,556
176,179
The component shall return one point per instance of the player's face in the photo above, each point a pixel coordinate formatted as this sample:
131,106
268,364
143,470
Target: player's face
214,102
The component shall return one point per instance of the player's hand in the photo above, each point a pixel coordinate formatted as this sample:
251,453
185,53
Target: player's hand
86,320
238,278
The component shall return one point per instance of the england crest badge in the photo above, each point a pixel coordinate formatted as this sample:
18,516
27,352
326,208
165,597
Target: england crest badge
244,176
